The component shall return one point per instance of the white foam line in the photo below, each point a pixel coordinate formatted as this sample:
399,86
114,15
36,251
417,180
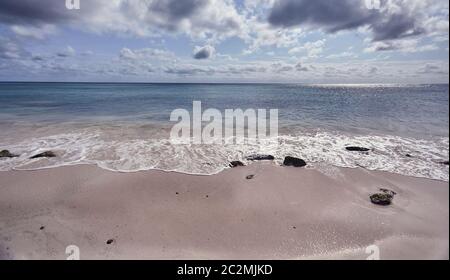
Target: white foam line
388,154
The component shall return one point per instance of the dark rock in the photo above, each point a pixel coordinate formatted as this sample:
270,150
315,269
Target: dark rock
110,241
357,149
42,228
7,154
444,162
236,163
381,199
47,154
384,198
260,157
408,155
249,177
292,161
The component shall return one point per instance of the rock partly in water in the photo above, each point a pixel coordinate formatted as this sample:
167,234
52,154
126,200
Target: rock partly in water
7,154
236,163
384,198
357,149
260,157
47,154
293,161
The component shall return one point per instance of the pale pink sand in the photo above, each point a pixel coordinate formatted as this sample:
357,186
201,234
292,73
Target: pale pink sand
283,213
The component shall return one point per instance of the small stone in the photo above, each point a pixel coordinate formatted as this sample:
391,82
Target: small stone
408,155
292,161
47,154
42,228
110,241
444,162
249,177
357,149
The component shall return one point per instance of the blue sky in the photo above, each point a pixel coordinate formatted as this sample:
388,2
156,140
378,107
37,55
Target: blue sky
299,41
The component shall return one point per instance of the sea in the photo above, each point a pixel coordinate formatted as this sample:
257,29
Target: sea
125,127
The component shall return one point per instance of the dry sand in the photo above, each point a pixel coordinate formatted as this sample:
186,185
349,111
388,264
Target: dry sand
283,213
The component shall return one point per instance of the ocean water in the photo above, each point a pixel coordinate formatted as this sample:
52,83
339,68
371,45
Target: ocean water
125,127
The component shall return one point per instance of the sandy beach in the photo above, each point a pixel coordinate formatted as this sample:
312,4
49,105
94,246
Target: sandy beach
282,213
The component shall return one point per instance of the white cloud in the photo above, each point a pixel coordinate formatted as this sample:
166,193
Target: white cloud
312,49
405,46
36,32
346,54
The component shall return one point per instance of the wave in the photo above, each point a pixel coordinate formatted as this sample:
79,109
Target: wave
406,156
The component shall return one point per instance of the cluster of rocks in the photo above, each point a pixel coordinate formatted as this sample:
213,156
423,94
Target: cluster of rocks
384,197
288,161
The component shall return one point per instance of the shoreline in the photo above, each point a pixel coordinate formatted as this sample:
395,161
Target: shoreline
109,150
309,166
282,213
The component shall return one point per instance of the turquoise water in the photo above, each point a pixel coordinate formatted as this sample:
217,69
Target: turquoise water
125,126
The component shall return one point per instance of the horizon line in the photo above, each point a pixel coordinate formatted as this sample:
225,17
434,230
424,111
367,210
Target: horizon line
217,83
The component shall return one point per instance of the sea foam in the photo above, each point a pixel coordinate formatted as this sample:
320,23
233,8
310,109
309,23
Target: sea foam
402,155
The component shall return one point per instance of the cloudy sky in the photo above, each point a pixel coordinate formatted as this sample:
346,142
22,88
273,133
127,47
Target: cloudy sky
300,41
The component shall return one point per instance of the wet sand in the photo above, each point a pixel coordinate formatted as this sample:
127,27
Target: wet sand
282,213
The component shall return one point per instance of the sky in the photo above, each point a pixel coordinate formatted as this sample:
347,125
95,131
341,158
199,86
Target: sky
225,41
